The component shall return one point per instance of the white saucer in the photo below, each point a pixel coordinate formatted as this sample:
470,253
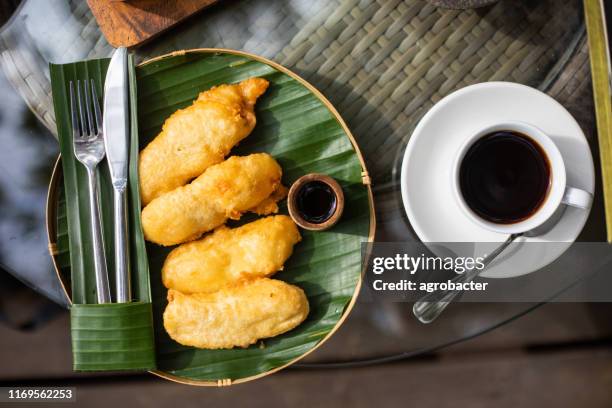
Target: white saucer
426,170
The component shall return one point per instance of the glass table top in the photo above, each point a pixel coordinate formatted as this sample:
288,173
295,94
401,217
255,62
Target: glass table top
383,64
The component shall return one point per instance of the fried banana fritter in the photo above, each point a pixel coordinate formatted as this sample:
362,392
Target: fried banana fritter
257,249
235,316
199,136
269,205
225,190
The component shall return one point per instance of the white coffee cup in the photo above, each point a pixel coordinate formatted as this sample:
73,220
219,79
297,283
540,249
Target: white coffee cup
559,193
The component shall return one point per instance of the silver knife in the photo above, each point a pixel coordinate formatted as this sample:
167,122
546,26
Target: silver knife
116,141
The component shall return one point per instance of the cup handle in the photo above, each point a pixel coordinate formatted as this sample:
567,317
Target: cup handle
578,198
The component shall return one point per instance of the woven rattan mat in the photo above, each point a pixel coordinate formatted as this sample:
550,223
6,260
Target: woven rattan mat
382,63
461,4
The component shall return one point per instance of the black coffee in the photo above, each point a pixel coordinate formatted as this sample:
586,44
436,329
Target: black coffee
504,177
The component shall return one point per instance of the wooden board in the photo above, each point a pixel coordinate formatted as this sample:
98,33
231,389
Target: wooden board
132,22
602,93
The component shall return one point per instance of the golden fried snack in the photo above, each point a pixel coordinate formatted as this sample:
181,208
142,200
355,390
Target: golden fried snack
199,136
225,190
255,250
269,205
235,316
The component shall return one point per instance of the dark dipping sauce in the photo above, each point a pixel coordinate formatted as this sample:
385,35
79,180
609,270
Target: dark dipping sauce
316,202
504,177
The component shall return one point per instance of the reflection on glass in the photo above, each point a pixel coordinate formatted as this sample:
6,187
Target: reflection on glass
26,159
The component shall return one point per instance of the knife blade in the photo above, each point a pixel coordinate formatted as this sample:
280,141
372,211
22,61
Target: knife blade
115,121
116,141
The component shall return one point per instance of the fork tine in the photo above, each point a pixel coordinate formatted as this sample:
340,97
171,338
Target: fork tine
73,111
81,111
90,122
96,104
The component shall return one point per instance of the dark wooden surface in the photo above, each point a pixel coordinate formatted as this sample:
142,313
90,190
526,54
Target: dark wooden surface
575,379
560,355
131,23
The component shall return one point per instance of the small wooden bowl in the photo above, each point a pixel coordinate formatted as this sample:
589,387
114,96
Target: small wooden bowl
292,202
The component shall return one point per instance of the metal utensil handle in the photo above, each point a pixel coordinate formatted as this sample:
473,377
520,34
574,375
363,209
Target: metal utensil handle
122,259
430,306
102,288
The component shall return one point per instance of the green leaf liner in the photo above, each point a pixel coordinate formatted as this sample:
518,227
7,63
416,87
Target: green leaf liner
109,336
303,134
115,336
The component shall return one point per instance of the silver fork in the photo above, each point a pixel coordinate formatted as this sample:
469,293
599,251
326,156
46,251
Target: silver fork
88,141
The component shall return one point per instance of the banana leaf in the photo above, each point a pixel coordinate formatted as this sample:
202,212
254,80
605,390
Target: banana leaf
104,336
295,125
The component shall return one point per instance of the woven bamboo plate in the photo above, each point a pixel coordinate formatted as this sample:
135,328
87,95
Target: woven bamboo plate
304,132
